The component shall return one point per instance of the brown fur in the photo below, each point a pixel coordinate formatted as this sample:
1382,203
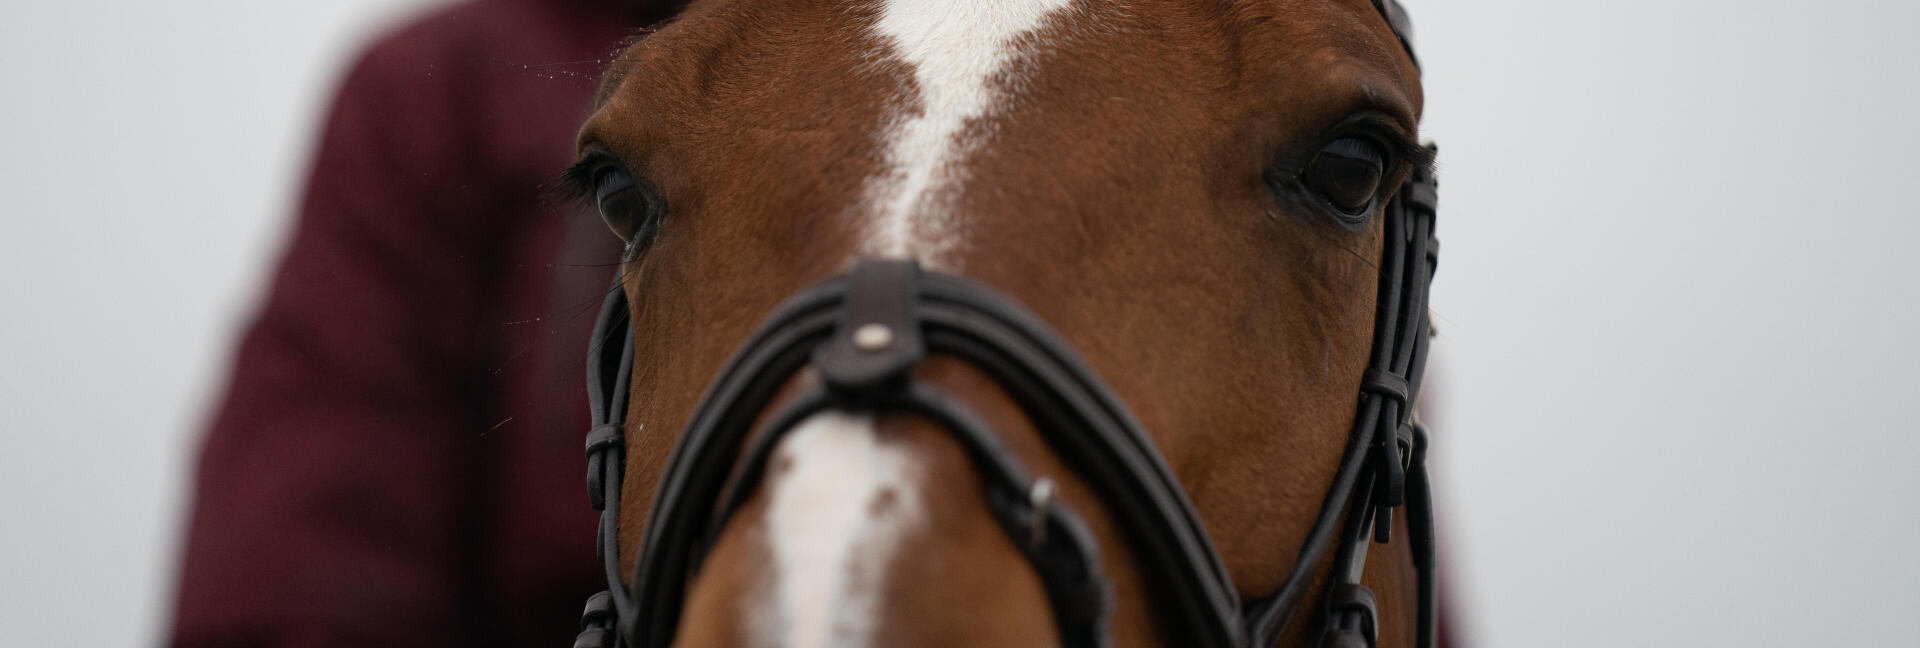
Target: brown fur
1120,197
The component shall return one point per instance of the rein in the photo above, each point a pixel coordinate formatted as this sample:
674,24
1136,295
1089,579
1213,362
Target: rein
864,332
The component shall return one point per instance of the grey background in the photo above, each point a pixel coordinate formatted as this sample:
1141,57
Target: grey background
1672,381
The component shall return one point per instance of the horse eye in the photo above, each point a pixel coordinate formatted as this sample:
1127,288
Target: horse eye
622,203
1347,172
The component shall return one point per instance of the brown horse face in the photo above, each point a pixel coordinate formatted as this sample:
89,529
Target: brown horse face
1187,191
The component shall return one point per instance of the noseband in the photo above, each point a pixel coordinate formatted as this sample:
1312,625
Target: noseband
863,333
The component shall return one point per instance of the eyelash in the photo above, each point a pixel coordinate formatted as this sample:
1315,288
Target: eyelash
1402,150
576,182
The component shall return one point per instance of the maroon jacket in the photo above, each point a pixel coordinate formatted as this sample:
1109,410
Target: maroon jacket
397,460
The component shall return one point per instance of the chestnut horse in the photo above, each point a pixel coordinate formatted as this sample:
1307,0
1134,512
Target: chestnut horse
1192,195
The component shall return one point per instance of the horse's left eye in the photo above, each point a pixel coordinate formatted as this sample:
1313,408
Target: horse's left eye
1347,173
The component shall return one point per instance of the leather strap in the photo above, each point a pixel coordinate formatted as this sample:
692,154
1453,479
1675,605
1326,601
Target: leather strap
1085,422
608,373
877,337
1402,25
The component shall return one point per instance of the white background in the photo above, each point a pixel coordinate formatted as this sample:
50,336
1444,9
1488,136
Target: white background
1674,300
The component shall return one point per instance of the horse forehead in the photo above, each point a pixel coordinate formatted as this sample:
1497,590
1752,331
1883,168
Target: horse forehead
963,58
981,69
895,104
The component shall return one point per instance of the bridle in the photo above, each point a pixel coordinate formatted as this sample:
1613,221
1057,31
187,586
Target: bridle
864,332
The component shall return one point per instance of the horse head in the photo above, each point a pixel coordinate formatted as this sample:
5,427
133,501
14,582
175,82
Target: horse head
1186,208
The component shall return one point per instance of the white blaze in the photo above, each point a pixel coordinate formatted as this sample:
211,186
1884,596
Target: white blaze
954,47
829,545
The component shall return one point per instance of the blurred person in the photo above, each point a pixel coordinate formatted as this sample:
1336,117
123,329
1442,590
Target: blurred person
397,458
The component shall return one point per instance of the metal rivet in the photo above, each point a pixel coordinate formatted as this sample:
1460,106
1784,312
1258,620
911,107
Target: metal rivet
1039,499
872,337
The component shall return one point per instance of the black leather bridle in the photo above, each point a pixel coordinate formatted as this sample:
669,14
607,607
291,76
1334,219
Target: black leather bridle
865,331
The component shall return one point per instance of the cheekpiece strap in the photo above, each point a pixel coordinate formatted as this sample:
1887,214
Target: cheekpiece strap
600,440
596,623
1402,26
1389,385
1356,614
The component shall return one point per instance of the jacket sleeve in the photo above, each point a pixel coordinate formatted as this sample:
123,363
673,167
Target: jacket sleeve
330,495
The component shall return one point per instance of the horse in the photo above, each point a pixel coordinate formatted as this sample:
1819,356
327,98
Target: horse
1012,322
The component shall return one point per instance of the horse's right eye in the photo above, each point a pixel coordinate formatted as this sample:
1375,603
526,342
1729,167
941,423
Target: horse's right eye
630,208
